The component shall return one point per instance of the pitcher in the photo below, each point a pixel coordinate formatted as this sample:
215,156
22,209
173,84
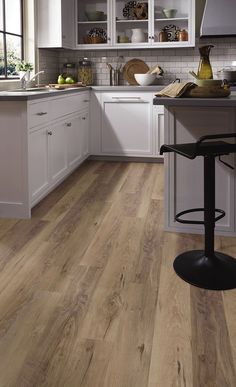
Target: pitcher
204,68
138,36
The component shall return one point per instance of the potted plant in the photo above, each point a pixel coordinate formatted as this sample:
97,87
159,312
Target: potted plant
24,68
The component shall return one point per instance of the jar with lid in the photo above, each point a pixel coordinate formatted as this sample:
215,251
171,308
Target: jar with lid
163,36
69,70
85,73
182,35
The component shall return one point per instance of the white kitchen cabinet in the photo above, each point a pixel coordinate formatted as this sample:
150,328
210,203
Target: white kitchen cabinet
158,125
37,149
117,26
184,178
55,23
58,151
84,125
39,163
126,124
74,140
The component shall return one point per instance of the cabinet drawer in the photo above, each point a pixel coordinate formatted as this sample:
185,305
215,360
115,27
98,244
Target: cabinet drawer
70,104
38,113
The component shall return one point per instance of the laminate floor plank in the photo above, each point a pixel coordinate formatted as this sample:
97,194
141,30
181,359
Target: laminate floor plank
89,297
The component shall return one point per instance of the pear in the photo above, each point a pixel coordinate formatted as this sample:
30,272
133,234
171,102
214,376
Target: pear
60,79
70,80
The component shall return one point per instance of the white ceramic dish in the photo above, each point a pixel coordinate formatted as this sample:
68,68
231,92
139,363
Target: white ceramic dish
145,79
169,13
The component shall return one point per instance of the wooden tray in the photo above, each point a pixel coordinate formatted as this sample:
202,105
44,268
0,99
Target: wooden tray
207,92
65,85
134,66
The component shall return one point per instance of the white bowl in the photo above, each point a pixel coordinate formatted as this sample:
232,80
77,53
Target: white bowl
145,79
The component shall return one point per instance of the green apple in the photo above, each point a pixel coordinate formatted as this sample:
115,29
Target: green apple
60,79
70,80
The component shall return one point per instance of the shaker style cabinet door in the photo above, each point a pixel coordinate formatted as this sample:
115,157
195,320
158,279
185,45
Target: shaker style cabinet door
74,140
55,23
127,125
38,162
57,151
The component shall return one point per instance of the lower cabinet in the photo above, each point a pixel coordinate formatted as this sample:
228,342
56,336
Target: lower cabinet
122,124
126,124
55,150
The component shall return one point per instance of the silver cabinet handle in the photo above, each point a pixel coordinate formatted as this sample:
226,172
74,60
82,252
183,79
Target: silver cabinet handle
68,124
127,98
49,133
86,100
41,113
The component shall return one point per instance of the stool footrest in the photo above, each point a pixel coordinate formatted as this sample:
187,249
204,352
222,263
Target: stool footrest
180,214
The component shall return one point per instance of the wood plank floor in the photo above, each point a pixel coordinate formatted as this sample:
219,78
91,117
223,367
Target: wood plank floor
89,298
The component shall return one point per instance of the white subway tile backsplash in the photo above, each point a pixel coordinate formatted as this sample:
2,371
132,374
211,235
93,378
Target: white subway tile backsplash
175,62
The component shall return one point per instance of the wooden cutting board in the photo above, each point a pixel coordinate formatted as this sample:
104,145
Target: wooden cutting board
65,85
207,92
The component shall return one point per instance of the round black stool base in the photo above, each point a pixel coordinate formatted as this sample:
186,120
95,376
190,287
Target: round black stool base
217,272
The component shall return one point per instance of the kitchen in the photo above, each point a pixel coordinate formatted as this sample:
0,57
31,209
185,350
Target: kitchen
89,296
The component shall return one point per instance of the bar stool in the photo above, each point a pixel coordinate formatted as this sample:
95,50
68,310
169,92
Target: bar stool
208,269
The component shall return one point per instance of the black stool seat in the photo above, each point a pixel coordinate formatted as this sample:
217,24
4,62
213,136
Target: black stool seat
206,268
191,150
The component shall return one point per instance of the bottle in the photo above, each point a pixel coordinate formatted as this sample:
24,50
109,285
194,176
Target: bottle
69,69
204,68
85,73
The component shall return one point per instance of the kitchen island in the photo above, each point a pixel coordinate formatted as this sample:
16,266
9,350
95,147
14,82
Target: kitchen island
187,119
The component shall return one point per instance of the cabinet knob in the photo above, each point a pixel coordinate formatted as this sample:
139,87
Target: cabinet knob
49,133
83,118
109,39
41,113
68,124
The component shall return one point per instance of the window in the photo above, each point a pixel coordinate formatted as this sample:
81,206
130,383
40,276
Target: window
11,37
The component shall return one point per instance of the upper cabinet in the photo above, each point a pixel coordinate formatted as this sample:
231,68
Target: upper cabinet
55,20
135,24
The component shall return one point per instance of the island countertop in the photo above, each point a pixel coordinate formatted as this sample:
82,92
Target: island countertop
197,102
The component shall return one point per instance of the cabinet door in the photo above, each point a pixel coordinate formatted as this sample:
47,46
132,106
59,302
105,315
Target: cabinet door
158,118
95,17
74,140
38,163
68,16
166,25
55,23
85,134
57,151
127,125
131,28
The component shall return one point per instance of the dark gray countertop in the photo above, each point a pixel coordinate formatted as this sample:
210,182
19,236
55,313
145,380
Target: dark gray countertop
205,102
31,95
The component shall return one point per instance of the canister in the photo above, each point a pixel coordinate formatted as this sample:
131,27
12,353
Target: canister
85,73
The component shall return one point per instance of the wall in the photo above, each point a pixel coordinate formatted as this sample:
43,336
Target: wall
175,62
